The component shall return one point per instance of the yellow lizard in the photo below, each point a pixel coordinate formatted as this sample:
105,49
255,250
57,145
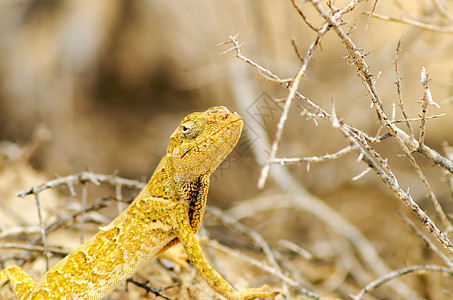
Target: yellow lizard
167,211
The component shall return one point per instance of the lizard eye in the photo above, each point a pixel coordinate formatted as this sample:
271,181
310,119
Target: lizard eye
189,130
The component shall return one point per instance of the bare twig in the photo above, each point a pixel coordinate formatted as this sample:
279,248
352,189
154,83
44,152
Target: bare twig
427,99
449,153
398,273
42,231
413,144
295,248
442,10
428,242
383,171
369,17
14,231
363,173
296,50
266,268
398,89
82,211
301,13
237,49
254,235
281,123
80,178
422,25
27,247
313,159
292,88
408,120
155,291
119,197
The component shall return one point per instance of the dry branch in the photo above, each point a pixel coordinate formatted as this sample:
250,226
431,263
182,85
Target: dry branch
398,273
264,267
359,141
418,24
382,170
80,178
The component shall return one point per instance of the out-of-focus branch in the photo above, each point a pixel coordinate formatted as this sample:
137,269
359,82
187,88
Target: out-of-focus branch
398,273
266,268
422,25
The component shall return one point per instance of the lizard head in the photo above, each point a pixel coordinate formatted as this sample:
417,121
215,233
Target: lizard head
203,140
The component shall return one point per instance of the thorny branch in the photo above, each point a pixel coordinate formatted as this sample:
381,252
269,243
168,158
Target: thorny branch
398,90
97,179
292,85
381,169
359,141
312,159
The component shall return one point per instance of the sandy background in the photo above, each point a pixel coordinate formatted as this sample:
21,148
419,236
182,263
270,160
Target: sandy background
101,85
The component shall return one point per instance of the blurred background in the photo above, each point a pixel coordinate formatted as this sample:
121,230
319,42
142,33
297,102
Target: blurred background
101,85
112,79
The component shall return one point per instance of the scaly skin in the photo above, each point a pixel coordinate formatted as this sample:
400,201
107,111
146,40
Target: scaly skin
167,211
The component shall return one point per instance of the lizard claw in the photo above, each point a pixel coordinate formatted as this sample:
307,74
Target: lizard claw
176,255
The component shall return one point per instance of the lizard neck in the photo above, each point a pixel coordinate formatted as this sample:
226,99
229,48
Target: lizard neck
162,184
192,189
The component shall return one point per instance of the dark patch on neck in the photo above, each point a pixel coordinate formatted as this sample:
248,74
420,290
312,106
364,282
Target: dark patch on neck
196,205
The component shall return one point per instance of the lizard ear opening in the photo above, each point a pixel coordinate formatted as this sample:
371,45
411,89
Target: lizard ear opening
172,144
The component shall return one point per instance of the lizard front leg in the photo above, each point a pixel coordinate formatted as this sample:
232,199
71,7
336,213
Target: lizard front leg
21,282
214,279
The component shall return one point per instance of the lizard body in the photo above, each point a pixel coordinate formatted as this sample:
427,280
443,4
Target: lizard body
167,211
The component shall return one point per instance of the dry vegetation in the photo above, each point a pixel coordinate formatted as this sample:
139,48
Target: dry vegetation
348,108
